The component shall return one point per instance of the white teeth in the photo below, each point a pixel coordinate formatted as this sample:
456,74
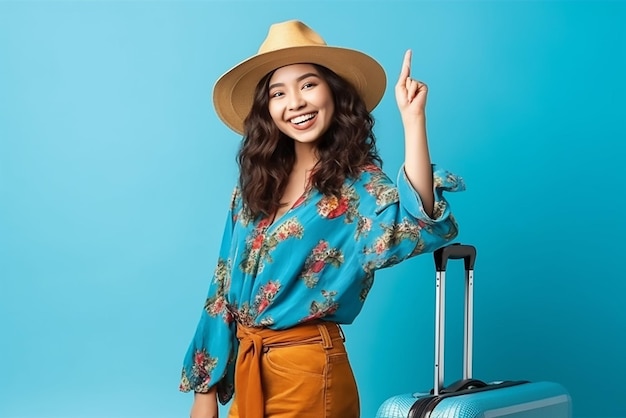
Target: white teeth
303,118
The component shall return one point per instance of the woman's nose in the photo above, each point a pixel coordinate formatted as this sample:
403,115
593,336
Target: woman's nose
296,101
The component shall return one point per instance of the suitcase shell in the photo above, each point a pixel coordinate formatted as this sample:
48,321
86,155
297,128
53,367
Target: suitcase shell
470,398
529,400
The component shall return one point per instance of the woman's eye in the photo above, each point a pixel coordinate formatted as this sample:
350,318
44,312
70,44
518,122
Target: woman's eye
308,85
276,94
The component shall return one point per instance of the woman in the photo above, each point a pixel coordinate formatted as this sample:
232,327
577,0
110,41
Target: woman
312,218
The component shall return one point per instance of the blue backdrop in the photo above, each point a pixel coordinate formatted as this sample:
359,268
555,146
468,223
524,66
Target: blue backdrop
115,175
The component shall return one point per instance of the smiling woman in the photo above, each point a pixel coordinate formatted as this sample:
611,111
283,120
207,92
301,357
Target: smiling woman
301,105
115,176
311,220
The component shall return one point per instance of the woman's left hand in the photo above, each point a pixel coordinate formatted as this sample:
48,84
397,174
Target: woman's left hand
410,93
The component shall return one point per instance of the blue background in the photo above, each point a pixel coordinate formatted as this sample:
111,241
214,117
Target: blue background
115,175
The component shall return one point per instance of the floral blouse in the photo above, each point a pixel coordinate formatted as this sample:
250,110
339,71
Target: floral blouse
316,261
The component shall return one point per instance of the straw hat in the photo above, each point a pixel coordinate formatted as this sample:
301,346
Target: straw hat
293,42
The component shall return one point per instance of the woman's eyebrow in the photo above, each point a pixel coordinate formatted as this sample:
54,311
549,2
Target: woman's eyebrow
302,77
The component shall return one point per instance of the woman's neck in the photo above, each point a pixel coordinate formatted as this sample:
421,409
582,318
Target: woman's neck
306,156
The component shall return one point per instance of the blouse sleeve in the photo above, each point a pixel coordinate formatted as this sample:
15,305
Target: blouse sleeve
210,357
400,227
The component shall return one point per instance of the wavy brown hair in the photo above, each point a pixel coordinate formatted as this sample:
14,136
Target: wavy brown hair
267,156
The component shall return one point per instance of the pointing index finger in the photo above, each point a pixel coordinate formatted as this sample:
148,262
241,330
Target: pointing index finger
406,67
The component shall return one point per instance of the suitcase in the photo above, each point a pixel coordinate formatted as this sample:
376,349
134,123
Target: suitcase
469,398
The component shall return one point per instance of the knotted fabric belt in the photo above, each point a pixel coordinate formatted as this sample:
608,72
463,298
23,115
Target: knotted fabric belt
248,387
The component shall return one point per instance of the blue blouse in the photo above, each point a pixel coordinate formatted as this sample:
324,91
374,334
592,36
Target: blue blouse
317,261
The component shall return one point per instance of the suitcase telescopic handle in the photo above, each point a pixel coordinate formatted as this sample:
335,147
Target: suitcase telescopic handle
442,255
455,252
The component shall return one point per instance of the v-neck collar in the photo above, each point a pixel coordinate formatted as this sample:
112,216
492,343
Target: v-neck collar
298,203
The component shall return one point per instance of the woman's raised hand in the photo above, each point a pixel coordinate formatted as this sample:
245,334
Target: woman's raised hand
410,93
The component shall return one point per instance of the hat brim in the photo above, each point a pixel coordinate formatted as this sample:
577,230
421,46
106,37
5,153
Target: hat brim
233,93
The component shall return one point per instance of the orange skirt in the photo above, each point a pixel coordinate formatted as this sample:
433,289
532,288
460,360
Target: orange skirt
300,372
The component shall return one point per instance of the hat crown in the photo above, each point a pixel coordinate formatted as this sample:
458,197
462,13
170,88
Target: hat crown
290,34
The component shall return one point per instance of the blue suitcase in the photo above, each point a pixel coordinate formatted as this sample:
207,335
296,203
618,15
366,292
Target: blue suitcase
471,398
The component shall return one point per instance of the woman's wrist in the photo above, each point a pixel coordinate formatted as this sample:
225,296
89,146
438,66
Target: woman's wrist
418,120
206,396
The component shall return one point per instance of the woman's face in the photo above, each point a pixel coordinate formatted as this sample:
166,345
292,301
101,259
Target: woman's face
300,102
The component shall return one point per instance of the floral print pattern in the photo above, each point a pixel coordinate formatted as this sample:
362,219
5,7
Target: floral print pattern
288,229
363,226
318,261
200,372
321,309
366,285
215,304
321,256
222,275
248,314
260,244
347,204
266,295
379,188
332,207
393,234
